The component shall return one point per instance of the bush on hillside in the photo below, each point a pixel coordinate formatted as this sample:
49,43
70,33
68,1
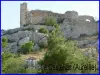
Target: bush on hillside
43,30
13,65
26,48
4,42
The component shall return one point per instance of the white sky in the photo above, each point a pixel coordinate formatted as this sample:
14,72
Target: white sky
10,10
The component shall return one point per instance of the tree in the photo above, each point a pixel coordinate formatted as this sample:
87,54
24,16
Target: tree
63,55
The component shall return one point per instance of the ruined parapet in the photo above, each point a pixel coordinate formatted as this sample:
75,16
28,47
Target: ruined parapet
86,18
23,13
85,25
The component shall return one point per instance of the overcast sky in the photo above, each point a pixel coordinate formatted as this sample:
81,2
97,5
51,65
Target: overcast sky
10,10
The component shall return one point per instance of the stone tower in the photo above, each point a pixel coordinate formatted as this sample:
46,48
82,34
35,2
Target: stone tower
23,14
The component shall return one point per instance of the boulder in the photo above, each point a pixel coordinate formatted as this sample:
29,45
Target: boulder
36,37
43,42
32,63
11,31
12,47
66,29
23,41
18,36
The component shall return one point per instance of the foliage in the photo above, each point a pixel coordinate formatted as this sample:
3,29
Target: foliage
50,21
4,42
13,65
10,64
26,48
6,54
43,30
32,71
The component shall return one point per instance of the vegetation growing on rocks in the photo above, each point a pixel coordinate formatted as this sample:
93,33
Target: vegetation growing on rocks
26,48
60,53
43,30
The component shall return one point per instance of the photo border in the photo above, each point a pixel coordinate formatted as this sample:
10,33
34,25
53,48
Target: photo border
54,0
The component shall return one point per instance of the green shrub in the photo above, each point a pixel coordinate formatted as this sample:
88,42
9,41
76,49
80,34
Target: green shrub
50,21
13,65
6,54
26,48
4,42
43,30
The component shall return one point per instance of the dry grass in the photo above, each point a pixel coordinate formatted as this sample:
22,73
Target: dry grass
37,55
90,49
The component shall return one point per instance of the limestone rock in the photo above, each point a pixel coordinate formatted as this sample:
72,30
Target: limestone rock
66,29
36,37
12,47
86,43
17,36
43,42
81,25
71,15
23,41
11,31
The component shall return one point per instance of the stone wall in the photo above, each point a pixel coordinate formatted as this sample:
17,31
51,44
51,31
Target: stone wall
35,16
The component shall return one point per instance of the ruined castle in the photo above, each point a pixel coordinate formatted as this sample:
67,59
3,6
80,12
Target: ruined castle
71,22
72,25
36,16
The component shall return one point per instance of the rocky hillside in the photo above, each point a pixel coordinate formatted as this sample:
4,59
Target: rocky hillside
84,30
26,44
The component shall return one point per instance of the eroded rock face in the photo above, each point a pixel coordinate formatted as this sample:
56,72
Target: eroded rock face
36,37
18,36
66,29
81,25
